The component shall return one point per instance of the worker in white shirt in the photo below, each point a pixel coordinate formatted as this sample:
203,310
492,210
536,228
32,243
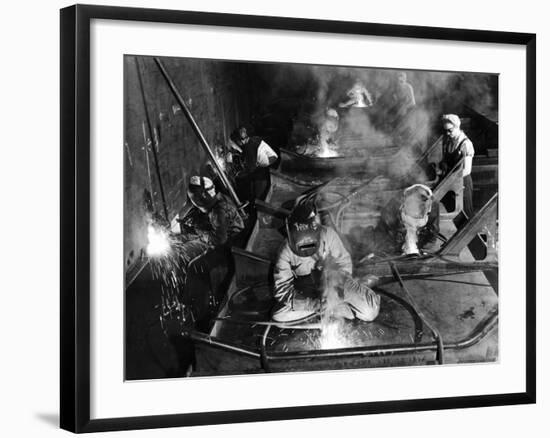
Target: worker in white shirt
457,146
255,156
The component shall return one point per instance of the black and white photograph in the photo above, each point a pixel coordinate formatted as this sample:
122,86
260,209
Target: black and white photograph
283,218
275,219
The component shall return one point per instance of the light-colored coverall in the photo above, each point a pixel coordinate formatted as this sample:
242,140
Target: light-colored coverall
358,301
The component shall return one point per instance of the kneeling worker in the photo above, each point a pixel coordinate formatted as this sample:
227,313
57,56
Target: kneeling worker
310,253
207,231
213,219
409,223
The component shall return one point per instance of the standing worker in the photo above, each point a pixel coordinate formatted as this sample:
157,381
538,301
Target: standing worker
403,95
457,146
310,254
256,156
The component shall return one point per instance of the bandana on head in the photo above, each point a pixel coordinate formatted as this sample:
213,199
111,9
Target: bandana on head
453,119
201,181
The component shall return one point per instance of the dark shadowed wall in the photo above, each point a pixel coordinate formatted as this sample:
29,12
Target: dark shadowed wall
158,136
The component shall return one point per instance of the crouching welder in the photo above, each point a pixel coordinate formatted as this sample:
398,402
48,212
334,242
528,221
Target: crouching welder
311,261
208,229
409,223
213,219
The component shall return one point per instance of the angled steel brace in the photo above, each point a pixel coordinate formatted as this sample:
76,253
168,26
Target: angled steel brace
483,222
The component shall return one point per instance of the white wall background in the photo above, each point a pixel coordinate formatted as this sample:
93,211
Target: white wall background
29,248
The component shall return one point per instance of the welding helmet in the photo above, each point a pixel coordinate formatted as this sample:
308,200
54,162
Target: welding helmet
417,201
240,136
304,230
202,193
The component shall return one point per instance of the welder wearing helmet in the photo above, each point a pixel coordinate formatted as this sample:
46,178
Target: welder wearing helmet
309,249
210,224
410,222
255,156
214,218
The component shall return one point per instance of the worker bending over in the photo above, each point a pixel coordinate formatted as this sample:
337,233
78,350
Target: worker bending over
313,269
408,223
213,219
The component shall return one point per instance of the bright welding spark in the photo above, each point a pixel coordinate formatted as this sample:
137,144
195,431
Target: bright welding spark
325,151
159,242
332,336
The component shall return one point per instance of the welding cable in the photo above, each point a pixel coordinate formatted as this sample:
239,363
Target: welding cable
435,332
469,283
482,265
417,320
240,292
401,257
279,325
343,198
263,350
291,324
346,199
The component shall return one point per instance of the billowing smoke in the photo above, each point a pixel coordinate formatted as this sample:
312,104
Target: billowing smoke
388,143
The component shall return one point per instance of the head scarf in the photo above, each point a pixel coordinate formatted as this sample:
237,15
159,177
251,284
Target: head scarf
453,119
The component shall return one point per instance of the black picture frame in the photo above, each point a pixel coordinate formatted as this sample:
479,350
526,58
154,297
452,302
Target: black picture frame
75,217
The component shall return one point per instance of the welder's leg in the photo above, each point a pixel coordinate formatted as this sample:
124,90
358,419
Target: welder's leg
297,310
342,310
362,300
468,196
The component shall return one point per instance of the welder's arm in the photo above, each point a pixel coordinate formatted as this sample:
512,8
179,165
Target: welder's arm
411,101
220,228
191,227
429,233
347,103
266,155
468,153
338,252
283,277
368,97
467,169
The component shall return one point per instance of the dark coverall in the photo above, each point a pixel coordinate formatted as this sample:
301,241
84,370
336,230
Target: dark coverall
210,236
252,181
453,152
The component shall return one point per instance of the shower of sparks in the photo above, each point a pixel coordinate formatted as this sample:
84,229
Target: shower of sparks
332,336
171,257
325,151
322,147
332,323
158,242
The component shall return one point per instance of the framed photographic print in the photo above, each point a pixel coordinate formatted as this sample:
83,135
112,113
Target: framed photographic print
290,218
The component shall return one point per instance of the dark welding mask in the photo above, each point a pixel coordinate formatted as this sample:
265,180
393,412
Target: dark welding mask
304,230
202,193
240,136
